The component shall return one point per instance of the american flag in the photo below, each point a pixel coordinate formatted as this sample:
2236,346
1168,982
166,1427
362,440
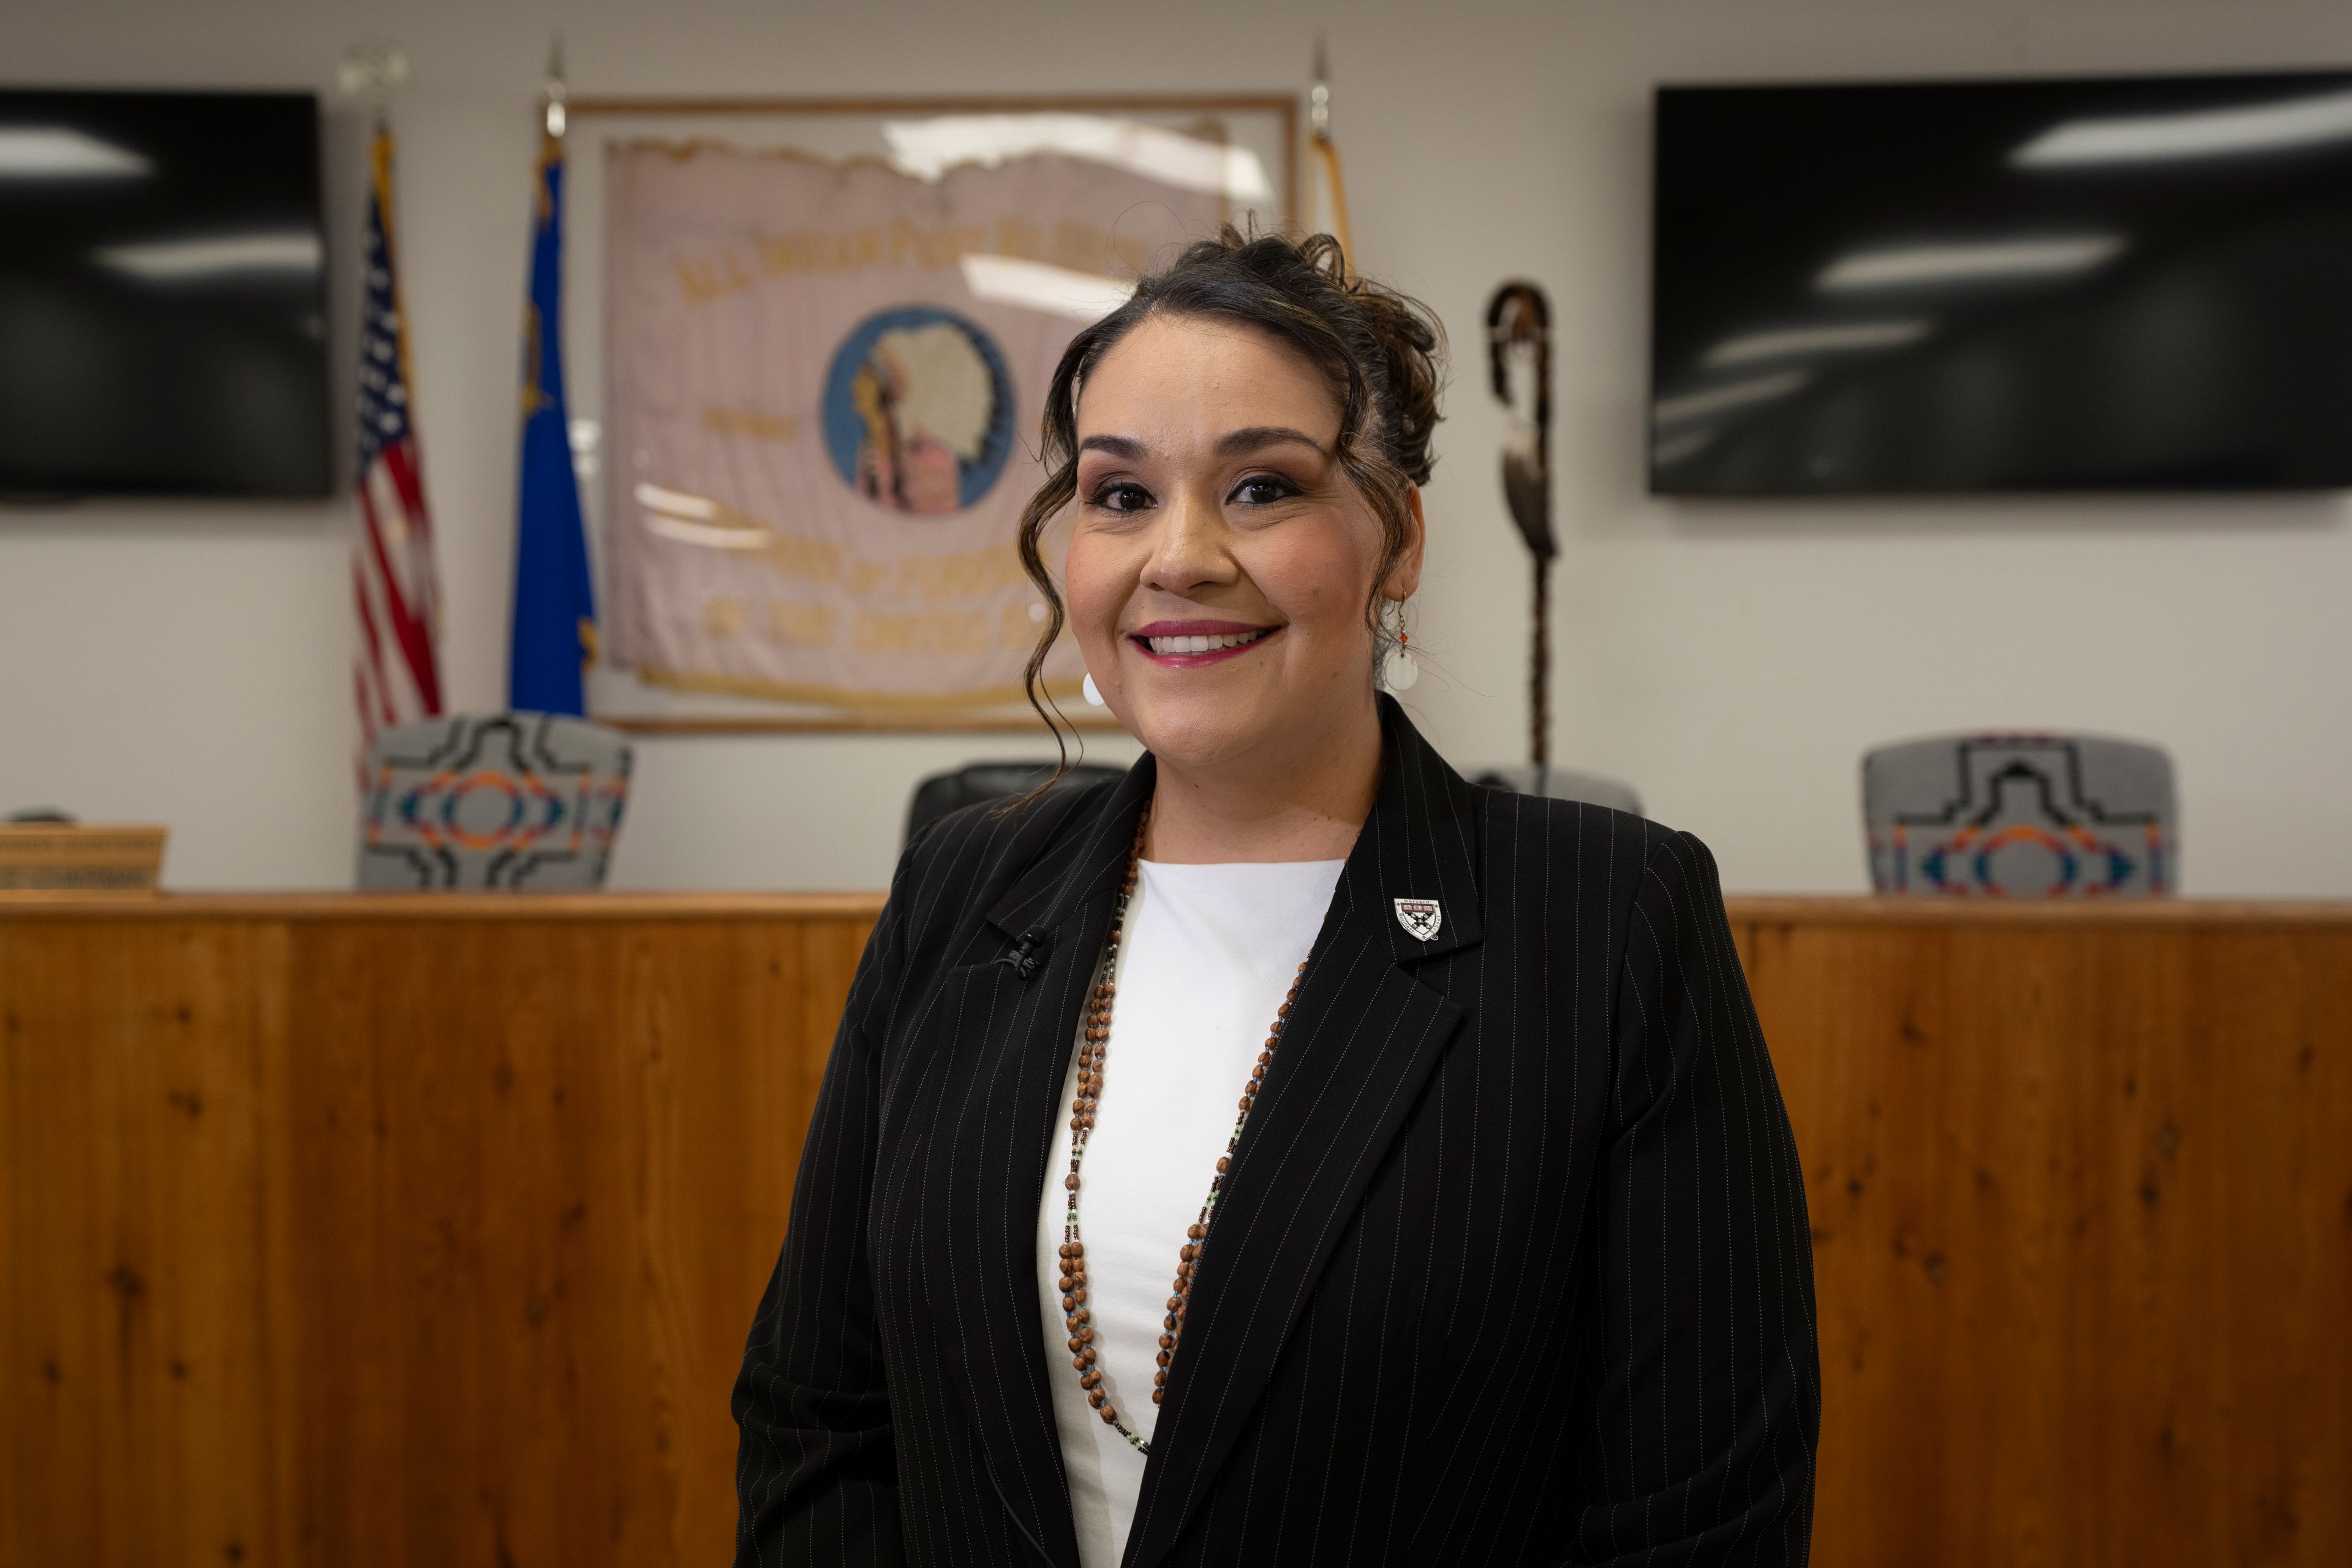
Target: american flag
396,674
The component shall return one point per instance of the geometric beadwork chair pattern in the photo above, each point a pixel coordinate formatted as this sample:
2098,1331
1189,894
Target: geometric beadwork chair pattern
520,802
2022,815
1561,783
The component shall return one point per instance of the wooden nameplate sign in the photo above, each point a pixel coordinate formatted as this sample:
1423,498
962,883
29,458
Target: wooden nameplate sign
46,859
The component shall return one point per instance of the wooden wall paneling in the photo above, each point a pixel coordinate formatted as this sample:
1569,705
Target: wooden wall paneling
134,1236
2082,1201
550,1167
381,1266
436,1423
373,1232
2273,1011
1837,1106
347,1257
2149,1190
717,1090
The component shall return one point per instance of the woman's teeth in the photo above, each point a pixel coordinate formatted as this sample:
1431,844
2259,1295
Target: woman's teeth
1205,644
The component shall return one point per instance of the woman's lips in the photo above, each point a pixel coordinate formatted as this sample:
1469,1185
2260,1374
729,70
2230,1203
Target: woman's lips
1187,644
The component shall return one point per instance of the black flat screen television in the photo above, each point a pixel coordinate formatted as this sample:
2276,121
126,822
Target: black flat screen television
2120,284
162,295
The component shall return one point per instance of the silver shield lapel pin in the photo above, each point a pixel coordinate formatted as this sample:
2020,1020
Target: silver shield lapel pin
1420,917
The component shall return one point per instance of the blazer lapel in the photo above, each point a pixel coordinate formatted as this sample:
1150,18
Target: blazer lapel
1361,1044
999,1139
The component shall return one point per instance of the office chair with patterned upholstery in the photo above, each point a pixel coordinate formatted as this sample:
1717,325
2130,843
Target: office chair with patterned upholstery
1560,783
512,802
2022,815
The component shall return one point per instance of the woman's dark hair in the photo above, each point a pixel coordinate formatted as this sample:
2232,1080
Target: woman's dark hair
1382,352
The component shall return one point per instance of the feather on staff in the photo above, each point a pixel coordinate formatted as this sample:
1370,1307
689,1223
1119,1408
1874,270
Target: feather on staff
1518,323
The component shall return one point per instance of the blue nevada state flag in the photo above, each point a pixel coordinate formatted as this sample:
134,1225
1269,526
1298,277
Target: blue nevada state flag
555,600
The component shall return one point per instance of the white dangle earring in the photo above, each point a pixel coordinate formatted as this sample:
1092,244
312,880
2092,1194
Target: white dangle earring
1399,671
1094,692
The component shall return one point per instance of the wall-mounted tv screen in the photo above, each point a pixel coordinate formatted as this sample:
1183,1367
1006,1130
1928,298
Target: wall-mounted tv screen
2019,285
163,310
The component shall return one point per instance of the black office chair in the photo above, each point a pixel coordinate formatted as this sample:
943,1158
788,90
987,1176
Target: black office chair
1561,783
942,793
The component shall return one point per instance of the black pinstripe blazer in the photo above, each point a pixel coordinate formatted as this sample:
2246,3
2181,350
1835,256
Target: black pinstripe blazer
1512,1264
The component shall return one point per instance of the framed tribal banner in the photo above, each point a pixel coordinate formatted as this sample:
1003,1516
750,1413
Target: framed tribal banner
826,337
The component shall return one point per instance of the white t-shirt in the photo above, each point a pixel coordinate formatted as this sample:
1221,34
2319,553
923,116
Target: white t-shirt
1209,953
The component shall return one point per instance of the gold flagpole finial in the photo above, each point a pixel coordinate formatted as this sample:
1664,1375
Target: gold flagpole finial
553,95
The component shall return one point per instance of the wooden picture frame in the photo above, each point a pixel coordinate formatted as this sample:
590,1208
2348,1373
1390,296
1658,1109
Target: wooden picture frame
830,127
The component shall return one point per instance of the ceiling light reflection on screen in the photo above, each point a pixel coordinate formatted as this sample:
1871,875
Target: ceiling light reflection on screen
57,152
1793,341
1732,394
1038,286
1689,444
2204,134
696,519
173,260
928,148
1969,261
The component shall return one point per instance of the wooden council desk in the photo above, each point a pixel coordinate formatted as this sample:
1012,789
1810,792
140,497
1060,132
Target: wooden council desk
380,1231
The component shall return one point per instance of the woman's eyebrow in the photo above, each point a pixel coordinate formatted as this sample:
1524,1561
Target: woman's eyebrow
1126,446
1252,437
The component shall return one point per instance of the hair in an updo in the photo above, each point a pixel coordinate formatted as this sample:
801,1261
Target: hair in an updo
1380,351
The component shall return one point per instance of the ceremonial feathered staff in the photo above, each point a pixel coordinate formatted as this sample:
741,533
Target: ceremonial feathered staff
1518,322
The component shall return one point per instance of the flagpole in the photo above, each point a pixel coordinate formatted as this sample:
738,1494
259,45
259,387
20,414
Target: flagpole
553,94
556,118
370,70
395,583
552,638
1318,130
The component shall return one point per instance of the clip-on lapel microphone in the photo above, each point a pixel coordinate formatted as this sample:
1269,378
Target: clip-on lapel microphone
1029,951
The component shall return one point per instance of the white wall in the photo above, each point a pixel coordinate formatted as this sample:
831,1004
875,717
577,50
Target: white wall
187,663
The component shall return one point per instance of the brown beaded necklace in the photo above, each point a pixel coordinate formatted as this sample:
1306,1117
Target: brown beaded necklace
1092,1050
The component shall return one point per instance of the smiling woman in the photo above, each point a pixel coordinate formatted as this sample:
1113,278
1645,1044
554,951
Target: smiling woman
1245,439
1442,1208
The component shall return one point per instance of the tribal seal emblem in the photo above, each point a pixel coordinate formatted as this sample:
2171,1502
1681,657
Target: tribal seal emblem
1420,917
